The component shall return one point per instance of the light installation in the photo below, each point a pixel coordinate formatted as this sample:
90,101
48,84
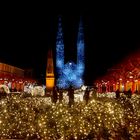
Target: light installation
59,49
70,74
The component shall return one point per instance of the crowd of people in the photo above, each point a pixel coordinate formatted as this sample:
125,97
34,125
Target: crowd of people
18,86
57,94
127,93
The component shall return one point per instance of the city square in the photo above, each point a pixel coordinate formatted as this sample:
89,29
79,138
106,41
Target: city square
74,77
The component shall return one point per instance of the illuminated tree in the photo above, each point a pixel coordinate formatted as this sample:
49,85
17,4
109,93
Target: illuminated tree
128,71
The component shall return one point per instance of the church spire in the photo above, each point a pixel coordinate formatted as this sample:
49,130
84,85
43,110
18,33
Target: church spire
80,47
59,47
80,32
70,74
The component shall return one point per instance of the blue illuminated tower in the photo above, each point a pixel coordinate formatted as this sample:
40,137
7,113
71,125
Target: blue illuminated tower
70,74
59,49
80,50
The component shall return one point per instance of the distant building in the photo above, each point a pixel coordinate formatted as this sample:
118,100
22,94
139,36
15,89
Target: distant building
11,71
15,78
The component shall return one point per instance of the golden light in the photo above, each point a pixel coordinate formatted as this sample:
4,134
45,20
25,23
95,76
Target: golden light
50,82
38,117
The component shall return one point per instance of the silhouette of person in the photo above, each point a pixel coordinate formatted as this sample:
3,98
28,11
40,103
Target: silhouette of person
60,95
71,96
86,95
129,93
2,92
54,94
117,93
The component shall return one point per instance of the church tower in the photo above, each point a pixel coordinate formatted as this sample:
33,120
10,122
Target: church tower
70,73
50,71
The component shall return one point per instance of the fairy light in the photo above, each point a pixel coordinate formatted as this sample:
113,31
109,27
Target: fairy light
39,117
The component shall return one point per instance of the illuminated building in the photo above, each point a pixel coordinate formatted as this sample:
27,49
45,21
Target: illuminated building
124,76
70,74
9,70
50,71
14,77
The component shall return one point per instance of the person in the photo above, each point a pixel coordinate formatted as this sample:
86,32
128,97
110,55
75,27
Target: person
86,95
117,93
2,92
60,95
54,94
71,96
129,93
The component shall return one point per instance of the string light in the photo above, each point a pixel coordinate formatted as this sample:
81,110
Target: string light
38,117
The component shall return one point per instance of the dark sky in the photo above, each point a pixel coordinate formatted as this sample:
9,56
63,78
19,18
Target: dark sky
110,33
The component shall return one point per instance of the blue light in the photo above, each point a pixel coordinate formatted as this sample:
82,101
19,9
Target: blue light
59,49
70,73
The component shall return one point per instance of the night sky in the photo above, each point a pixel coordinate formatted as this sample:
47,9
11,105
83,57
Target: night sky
110,35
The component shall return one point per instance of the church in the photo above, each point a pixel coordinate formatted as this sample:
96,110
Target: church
69,73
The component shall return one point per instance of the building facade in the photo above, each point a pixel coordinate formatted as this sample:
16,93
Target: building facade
15,78
8,70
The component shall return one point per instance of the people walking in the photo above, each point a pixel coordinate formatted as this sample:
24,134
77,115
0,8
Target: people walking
86,95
